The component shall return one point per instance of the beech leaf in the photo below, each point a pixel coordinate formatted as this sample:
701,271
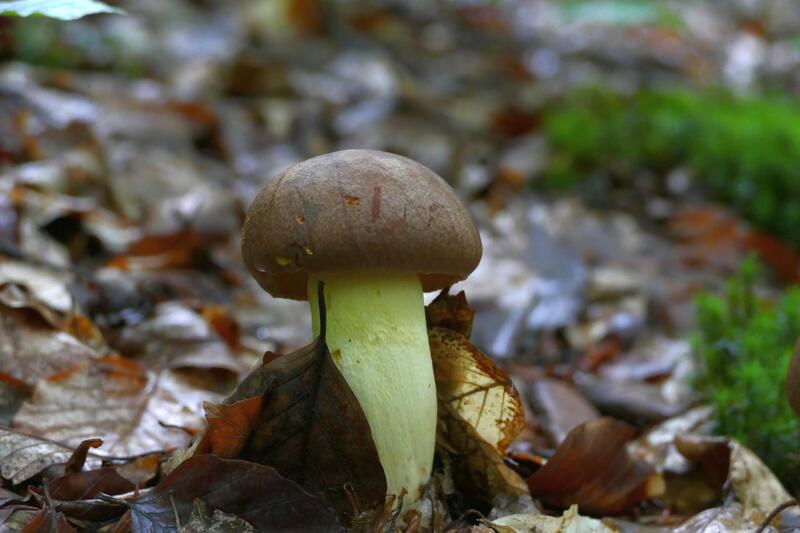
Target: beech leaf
592,469
24,456
115,399
297,413
252,492
31,349
480,413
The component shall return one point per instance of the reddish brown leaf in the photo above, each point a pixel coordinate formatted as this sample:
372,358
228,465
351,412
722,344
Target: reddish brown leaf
89,484
229,426
140,470
711,456
592,469
480,413
223,323
310,427
76,462
451,312
252,492
49,521
157,252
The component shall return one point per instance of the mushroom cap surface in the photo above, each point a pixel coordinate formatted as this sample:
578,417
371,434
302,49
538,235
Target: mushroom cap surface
357,211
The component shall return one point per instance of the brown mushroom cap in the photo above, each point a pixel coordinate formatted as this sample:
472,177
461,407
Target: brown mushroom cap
357,211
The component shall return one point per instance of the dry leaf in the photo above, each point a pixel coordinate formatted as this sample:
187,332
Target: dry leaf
592,469
731,518
49,521
30,349
24,456
203,520
560,407
115,399
450,312
44,290
725,462
569,522
307,424
480,413
252,492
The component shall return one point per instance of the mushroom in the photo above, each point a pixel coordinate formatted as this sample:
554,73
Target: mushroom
377,229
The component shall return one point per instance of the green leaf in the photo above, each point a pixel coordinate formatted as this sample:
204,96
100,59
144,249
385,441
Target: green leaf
60,9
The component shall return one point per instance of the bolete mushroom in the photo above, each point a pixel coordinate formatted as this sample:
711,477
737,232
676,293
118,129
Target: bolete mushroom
378,229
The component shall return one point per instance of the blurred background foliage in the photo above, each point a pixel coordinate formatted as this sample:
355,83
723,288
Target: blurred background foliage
744,343
743,148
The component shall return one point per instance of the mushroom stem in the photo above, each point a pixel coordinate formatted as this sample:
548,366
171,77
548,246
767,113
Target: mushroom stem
376,333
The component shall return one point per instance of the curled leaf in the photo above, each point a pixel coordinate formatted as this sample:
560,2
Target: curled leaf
480,413
592,469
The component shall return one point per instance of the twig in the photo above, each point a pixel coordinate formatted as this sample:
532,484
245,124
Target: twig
775,512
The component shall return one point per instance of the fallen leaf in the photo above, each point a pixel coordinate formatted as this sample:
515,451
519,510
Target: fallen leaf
203,521
179,337
230,426
184,249
43,289
24,456
470,384
78,459
560,407
633,401
89,484
309,426
732,518
480,413
753,482
592,469
252,492
133,411
140,470
49,521
30,349
451,312
570,521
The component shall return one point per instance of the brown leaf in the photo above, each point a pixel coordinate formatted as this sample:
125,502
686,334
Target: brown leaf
24,456
31,349
49,521
480,413
592,469
560,407
78,458
470,384
156,252
230,426
115,399
253,492
140,470
310,427
89,484
451,312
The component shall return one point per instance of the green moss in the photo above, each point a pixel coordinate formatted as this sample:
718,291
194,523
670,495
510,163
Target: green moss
743,345
745,149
